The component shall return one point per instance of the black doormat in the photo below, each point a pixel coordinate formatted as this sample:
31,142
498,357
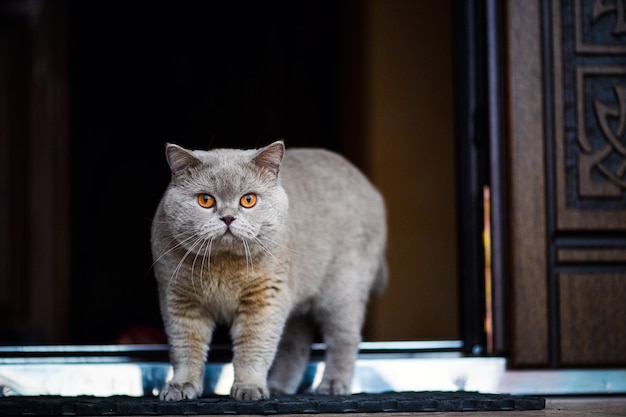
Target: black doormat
297,404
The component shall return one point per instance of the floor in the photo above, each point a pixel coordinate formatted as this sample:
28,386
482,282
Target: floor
565,406
601,406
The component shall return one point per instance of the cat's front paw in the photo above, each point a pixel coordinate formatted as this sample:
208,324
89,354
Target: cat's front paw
176,392
241,391
333,387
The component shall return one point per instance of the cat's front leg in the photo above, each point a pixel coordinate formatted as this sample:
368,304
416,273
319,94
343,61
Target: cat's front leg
189,335
256,333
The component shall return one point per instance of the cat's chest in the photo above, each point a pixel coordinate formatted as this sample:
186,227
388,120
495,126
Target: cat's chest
222,291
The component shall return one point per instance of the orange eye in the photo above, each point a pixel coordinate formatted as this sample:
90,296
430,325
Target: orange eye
206,200
248,200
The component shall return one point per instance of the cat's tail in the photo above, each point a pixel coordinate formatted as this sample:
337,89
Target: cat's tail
382,277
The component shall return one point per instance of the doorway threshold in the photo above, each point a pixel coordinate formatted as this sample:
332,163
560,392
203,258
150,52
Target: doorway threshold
141,370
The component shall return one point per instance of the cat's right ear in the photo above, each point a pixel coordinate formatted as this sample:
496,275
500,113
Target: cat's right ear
180,159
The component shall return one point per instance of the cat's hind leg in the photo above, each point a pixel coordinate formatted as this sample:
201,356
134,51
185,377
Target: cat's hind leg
292,357
342,340
340,311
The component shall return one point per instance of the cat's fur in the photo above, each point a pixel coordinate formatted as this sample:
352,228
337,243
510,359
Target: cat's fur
311,249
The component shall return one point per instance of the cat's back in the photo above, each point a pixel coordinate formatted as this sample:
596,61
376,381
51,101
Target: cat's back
316,160
320,183
325,173
336,221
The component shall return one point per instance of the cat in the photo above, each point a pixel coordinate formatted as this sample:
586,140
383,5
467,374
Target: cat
270,242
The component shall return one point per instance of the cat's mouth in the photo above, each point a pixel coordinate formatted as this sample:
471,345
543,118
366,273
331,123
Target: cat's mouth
233,236
229,236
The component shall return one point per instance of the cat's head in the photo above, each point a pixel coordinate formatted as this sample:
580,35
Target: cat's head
228,200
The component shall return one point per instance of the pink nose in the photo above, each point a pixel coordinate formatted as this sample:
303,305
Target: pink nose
227,219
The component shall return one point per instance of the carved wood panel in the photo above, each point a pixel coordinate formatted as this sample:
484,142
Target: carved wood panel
579,47
589,55
588,250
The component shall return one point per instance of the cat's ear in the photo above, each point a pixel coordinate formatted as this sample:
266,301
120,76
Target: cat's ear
180,159
270,157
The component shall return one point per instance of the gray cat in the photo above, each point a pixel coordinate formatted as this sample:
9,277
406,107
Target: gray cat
269,242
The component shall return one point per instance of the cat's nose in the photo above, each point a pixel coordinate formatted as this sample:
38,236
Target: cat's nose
227,219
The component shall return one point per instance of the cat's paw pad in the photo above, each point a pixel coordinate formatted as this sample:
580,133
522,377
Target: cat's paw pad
333,387
176,392
249,392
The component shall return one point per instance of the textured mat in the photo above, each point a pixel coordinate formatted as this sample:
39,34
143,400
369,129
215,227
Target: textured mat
298,404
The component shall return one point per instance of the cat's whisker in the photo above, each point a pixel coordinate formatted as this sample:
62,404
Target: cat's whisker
193,264
245,251
174,276
265,238
266,250
207,241
207,255
178,245
249,259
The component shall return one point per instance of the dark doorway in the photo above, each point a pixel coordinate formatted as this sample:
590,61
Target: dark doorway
200,74
95,90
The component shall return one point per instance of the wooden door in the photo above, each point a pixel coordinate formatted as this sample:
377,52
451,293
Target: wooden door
566,108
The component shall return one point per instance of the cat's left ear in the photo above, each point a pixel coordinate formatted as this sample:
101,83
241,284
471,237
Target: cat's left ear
270,157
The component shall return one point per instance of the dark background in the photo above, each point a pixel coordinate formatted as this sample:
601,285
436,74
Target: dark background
90,92
199,74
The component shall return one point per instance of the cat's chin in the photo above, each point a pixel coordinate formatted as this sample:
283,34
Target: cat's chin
231,244
229,239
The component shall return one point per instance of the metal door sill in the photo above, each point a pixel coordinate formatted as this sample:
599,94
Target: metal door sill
141,370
